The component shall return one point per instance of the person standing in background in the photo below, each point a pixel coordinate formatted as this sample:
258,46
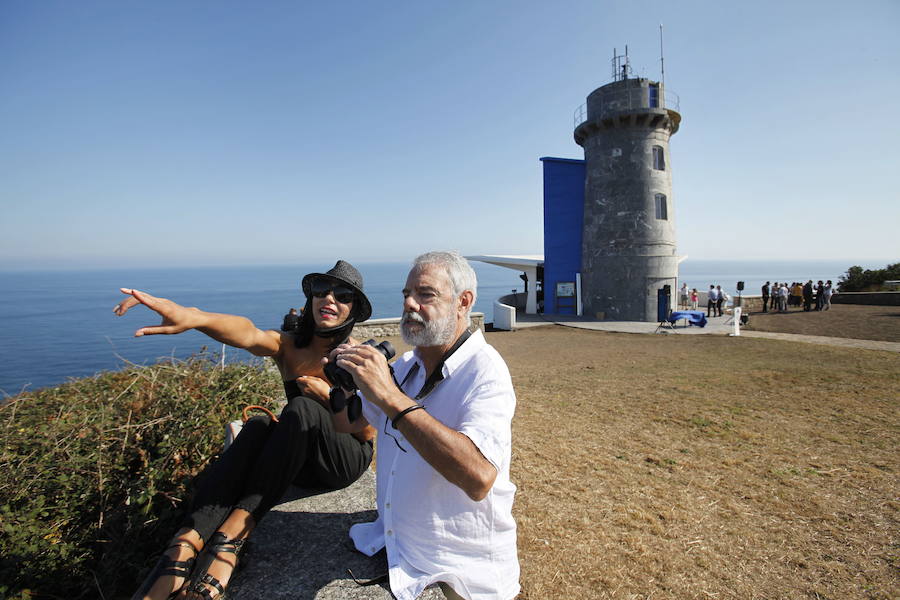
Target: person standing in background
291,320
829,292
765,297
796,294
711,298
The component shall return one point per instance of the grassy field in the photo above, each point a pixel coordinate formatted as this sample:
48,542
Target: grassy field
703,467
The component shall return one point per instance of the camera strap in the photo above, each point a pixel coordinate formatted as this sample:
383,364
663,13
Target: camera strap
438,374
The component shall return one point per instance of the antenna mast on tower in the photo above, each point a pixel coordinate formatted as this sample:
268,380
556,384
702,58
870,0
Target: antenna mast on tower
621,66
662,61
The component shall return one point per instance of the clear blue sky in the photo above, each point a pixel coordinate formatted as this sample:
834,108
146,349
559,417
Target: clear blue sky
212,132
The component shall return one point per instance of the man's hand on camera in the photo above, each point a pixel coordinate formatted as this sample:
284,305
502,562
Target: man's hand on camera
370,372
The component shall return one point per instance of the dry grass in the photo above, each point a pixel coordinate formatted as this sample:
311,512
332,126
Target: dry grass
703,467
843,320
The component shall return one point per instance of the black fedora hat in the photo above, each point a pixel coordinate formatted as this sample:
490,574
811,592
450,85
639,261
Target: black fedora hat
348,275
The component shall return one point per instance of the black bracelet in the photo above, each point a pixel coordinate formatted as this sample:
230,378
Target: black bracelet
403,413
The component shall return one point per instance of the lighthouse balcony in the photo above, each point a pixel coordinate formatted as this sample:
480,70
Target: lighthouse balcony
605,102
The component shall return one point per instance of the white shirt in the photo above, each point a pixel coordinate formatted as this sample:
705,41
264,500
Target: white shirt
431,529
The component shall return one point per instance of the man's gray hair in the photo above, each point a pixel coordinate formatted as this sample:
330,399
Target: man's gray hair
461,274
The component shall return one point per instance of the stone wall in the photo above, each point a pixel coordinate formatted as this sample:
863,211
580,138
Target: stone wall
749,303
382,328
870,298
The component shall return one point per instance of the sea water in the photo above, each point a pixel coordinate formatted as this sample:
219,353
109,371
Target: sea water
701,274
57,325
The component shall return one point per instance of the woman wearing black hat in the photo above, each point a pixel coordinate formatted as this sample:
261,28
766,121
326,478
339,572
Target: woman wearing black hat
256,470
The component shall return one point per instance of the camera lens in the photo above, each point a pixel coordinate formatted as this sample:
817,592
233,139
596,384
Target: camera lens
339,377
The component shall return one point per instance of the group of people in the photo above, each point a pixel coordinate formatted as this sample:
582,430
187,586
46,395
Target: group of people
444,496
779,296
688,298
782,295
715,299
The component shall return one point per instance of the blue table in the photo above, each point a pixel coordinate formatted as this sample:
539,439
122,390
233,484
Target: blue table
693,317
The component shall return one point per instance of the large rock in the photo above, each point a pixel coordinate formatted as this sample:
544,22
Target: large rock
302,549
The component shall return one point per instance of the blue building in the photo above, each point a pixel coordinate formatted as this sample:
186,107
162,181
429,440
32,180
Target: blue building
563,216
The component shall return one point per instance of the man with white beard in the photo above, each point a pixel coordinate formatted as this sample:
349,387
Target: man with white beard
444,417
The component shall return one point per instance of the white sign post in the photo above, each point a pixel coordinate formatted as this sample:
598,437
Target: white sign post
736,320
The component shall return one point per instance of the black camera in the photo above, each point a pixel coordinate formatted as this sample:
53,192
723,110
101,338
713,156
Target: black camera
340,378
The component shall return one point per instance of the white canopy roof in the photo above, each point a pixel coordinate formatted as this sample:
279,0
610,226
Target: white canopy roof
516,262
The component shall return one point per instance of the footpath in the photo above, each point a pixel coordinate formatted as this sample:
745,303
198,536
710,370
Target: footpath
825,340
715,326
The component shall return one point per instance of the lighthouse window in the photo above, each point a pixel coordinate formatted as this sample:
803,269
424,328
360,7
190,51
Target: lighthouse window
662,211
659,159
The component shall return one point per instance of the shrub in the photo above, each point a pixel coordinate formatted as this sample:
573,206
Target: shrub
93,473
858,280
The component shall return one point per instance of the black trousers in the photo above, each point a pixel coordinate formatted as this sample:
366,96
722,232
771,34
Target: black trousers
765,303
266,458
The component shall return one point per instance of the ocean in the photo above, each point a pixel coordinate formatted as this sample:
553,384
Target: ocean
58,325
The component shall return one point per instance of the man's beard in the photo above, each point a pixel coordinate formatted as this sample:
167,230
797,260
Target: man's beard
438,332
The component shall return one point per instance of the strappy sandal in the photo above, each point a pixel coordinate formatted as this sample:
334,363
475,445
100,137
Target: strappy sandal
166,566
217,544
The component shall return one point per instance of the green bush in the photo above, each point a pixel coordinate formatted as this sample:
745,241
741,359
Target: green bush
858,280
94,473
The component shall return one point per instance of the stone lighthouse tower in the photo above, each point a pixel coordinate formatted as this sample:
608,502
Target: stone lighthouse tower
629,264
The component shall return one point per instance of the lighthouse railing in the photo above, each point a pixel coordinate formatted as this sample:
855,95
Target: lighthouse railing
626,100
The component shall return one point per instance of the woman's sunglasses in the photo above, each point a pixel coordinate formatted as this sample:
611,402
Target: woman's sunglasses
322,287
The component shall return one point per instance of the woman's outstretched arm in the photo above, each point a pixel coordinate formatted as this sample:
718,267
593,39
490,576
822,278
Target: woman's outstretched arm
233,330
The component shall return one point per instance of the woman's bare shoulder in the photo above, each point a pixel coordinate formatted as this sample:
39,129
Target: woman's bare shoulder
300,361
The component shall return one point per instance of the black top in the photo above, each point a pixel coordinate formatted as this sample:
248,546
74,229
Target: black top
291,389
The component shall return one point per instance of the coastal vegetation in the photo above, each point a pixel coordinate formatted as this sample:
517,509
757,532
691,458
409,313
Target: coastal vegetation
93,472
857,279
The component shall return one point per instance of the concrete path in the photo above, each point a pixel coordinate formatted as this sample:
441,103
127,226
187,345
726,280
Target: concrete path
824,340
301,550
715,326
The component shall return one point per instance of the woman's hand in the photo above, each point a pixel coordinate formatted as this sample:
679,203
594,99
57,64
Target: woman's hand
315,388
175,318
